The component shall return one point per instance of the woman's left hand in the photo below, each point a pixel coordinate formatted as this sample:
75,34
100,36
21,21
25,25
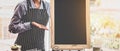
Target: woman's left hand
39,25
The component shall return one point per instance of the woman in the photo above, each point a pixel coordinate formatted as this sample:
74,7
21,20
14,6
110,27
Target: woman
29,21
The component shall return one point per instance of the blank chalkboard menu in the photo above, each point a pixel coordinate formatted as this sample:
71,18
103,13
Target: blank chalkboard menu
70,24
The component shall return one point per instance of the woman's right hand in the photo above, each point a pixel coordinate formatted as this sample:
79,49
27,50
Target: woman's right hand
39,25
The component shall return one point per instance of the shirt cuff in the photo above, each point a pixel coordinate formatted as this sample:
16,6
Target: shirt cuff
28,25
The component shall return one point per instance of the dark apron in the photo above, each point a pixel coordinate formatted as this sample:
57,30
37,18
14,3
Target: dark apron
33,38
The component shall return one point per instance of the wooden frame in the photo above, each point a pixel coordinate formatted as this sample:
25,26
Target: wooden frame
69,46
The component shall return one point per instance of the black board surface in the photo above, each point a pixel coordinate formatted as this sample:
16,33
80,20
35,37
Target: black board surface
70,22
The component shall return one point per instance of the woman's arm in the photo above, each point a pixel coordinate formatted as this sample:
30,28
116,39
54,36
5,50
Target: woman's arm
16,25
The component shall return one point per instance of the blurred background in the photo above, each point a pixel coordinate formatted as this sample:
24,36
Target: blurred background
104,24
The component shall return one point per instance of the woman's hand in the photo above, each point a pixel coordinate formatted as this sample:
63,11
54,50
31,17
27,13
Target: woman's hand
39,25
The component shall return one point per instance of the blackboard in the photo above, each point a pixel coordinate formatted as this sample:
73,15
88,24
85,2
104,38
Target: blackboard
70,23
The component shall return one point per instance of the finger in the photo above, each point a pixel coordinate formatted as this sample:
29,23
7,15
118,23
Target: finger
45,28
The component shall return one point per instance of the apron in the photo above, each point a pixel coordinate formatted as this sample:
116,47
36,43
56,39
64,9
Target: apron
33,38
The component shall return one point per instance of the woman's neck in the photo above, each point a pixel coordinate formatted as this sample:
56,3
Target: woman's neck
37,3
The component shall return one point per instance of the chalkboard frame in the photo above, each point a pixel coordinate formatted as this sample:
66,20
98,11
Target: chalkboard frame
68,46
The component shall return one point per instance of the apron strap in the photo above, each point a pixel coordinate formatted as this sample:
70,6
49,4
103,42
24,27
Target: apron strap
44,7
28,4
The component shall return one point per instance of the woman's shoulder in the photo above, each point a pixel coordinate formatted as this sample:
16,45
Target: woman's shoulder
22,5
47,4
